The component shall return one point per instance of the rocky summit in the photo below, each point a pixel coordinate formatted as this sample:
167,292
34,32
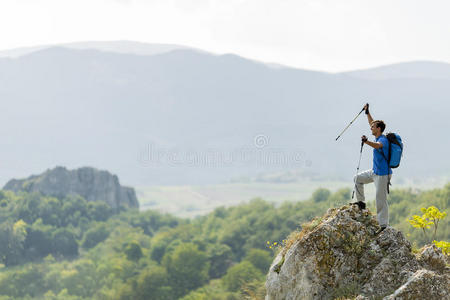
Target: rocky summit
339,256
87,182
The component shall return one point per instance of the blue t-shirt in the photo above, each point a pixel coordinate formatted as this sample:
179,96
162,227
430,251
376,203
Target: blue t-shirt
380,164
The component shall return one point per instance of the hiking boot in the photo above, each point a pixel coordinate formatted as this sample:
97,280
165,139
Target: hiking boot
361,205
380,230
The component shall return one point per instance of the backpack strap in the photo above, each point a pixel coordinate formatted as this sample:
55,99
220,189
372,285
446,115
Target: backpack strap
389,167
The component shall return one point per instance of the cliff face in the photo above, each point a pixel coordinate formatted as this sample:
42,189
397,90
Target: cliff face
90,183
339,256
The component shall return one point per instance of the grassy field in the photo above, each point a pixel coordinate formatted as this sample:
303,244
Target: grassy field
191,201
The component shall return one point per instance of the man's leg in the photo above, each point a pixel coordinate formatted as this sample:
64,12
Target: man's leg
381,199
361,179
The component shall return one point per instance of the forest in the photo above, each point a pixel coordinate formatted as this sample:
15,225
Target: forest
69,248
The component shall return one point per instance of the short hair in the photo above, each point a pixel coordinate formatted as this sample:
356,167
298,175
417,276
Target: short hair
380,124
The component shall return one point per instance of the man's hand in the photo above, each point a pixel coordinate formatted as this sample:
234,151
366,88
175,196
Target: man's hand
364,139
369,117
376,145
366,108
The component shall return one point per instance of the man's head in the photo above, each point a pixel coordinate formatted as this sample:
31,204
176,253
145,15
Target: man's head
377,127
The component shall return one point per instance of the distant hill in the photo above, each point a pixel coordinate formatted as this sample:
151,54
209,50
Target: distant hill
191,117
91,184
414,69
127,47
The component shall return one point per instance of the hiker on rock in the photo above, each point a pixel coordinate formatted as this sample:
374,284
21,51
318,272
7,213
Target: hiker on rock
380,174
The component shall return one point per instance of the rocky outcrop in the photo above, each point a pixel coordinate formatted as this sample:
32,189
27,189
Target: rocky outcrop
90,183
339,256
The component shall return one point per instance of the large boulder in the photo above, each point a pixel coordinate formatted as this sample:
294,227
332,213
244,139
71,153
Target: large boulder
339,256
90,183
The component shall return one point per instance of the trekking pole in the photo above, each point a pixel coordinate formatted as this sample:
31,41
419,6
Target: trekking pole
349,124
357,169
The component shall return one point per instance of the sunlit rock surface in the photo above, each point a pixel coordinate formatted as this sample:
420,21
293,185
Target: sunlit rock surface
339,256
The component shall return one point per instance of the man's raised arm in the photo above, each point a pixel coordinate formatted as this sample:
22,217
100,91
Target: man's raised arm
369,117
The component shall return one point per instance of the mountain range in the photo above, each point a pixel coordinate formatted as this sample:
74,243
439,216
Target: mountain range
168,114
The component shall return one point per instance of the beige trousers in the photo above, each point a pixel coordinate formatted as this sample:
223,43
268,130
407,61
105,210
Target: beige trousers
381,193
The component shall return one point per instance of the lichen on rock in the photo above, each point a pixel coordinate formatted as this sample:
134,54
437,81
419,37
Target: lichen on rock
340,256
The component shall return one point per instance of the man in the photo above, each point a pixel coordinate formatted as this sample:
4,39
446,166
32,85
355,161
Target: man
380,174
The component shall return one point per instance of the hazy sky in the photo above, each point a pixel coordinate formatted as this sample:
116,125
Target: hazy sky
330,35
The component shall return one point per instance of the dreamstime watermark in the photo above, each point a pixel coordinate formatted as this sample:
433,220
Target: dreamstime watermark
259,154
261,141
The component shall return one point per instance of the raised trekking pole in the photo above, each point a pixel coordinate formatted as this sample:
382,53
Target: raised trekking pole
351,122
357,169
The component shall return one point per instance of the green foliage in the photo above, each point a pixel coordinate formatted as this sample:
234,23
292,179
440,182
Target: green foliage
38,242
260,259
431,216
240,274
95,235
150,221
12,237
321,195
166,241
148,255
445,246
133,251
64,294
153,283
405,203
29,280
99,211
158,250
64,243
80,278
434,215
420,222
50,226
187,268
213,291
38,229
220,258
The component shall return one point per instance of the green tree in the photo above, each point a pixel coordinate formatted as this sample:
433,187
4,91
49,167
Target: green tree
431,216
64,243
99,211
321,195
220,258
187,268
38,242
239,275
49,210
12,238
153,283
261,259
26,207
434,215
74,207
133,251
95,235
28,280
235,235
158,249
